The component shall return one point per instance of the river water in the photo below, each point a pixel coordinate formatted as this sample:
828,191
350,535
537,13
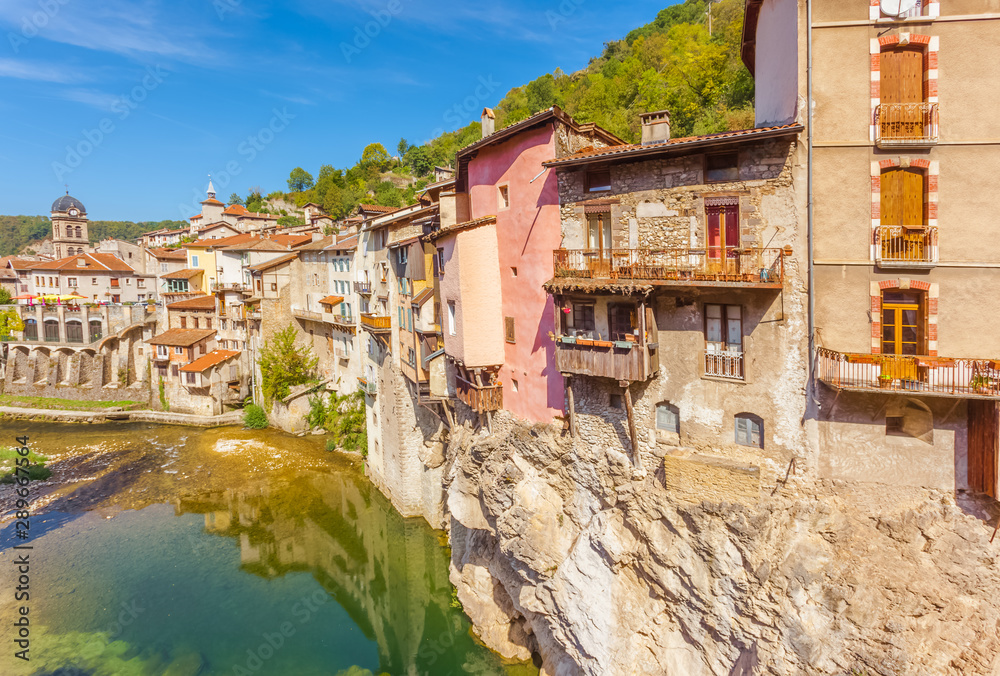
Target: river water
178,551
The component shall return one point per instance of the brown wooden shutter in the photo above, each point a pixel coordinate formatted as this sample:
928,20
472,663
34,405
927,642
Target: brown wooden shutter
892,200
508,329
901,75
913,197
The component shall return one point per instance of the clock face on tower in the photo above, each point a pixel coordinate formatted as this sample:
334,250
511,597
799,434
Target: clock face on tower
73,212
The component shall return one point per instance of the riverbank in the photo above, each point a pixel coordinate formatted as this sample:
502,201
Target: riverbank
115,414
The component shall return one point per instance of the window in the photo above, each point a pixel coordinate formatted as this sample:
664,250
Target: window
223,324
401,255
599,232
598,180
513,385
190,378
902,198
72,282
440,261
208,322
623,321
194,261
724,341
162,352
903,327
668,418
508,329
184,322
451,318
116,299
140,283
178,350
115,283
402,319
274,286
202,349
749,430
580,320
411,357
722,167
513,272
93,281
196,323
30,329
504,201
174,370
128,281
615,400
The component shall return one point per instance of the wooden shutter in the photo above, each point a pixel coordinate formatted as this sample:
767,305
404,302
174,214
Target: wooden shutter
742,431
913,197
508,329
901,76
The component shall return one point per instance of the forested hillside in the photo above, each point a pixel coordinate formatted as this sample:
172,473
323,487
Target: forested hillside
18,232
672,63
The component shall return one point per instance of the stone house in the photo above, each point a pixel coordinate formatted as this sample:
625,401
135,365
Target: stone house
677,303
173,349
905,362
101,278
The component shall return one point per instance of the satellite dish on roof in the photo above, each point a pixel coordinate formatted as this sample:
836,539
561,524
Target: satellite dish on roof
897,7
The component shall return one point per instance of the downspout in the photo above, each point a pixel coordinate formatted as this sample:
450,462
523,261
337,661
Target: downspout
811,284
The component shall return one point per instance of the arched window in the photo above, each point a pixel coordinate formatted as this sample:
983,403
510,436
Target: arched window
74,332
30,329
79,232
749,430
51,330
668,418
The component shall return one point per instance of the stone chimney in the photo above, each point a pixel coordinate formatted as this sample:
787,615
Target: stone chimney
655,127
489,122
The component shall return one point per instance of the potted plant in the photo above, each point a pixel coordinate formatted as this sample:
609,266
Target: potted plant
624,344
584,341
602,343
568,339
981,384
884,381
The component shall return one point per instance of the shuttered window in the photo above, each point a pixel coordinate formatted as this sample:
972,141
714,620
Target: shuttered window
508,329
668,418
902,197
749,430
901,75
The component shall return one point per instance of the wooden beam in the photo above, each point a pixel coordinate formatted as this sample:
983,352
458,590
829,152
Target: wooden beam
631,426
572,408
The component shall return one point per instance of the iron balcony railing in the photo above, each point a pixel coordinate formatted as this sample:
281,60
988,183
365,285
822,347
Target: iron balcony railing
367,387
724,365
216,287
740,266
906,246
906,124
480,398
363,287
339,320
940,376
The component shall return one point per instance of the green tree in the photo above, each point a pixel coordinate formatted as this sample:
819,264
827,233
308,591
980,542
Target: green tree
375,155
402,148
5,297
283,364
420,160
290,221
10,321
235,199
300,180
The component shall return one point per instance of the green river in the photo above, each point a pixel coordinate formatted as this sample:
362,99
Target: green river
180,551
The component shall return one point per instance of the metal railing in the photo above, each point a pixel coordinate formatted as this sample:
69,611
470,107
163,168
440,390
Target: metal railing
749,266
307,314
235,286
376,322
724,365
905,244
340,320
903,124
903,373
363,287
480,398
253,314
367,387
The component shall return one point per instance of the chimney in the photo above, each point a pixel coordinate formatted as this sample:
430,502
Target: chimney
489,122
655,127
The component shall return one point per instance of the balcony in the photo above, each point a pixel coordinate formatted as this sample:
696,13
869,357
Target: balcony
480,398
363,288
242,288
307,314
618,360
367,387
930,376
347,321
254,314
376,323
728,365
910,125
906,246
764,268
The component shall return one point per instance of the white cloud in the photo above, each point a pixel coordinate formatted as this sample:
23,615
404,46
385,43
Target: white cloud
24,70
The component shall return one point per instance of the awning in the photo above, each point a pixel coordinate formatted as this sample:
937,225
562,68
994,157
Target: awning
332,300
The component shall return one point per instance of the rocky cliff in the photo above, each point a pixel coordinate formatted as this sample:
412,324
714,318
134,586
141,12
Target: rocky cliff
563,551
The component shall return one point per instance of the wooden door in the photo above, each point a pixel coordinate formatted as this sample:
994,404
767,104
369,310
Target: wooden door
723,237
903,214
984,433
622,321
901,91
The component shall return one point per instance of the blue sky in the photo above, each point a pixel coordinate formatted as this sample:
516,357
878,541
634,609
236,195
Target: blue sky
134,102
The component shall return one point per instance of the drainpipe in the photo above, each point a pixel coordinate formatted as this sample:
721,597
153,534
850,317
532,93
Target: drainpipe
811,385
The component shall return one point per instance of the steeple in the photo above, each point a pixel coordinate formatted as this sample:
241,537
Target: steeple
211,188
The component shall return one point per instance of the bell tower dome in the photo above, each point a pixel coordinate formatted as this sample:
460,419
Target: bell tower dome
69,227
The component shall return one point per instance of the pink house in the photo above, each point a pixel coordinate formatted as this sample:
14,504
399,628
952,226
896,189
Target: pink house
498,231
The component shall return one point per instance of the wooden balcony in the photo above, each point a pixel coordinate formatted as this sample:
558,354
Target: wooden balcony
913,375
617,360
480,398
363,288
242,288
911,125
764,268
376,323
906,246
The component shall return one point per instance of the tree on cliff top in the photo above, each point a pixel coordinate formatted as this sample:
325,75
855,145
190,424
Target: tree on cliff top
283,364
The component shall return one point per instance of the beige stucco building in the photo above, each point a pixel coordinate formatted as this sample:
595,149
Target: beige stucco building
903,100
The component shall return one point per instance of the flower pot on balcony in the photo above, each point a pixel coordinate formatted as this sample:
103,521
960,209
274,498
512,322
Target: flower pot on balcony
584,341
630,338
885,382
624,344
568,339
861,359
909,384
602,343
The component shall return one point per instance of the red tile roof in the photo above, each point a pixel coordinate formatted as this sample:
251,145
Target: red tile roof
221,241
168,254
614,152
236,210
197,303
202,364
345,242
291,241
444,232
186,273
212,200
92,263
377,209
193,218
181,337
260,267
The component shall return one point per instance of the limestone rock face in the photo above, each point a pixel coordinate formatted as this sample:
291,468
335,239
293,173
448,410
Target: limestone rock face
558,550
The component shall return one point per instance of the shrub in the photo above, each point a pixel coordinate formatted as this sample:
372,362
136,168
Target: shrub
254,417
35,473
284,364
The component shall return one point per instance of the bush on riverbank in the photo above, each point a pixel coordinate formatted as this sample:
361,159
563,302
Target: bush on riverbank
254,417
37,471
343,417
